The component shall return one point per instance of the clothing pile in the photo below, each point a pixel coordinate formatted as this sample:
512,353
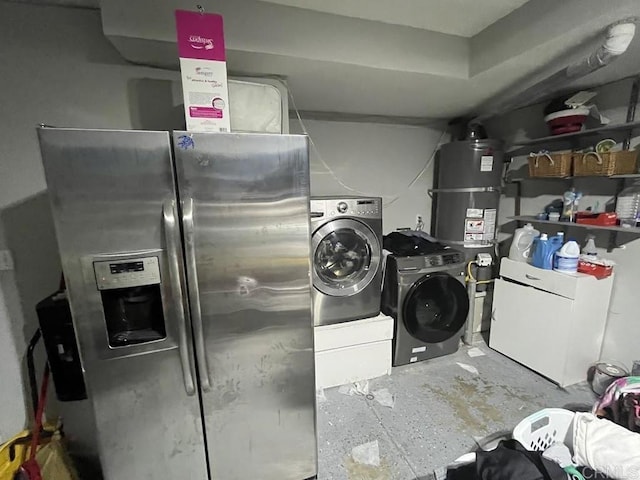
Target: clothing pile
594,448
620,403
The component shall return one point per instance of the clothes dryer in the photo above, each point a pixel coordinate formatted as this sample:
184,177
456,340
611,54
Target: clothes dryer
426,296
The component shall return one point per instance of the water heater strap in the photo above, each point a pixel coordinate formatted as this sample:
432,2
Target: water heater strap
471,244
465,190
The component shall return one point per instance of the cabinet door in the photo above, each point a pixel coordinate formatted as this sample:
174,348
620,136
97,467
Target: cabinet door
531,327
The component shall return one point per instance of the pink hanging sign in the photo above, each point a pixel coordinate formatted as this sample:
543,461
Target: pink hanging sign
204,71
200,35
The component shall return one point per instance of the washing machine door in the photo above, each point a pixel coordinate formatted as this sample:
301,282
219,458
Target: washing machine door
346,257
435,308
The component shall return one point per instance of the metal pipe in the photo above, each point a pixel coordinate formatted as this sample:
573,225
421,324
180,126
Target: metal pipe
617,40
468,330
631,110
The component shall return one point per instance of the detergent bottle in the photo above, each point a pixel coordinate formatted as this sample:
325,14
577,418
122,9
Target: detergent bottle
566,259
556,244
540,249
590,249
522,242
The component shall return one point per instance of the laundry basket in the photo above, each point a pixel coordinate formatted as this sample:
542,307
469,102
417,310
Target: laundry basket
539,431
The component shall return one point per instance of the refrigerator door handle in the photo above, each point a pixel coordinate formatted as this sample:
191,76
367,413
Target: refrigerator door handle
194,292
172,238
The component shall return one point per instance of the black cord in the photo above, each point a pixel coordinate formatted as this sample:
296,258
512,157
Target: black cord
33,381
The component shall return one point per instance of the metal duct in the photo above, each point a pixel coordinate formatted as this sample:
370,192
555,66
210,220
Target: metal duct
618,37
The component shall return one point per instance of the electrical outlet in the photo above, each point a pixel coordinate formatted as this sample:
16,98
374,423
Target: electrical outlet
484,259
6,260
419,218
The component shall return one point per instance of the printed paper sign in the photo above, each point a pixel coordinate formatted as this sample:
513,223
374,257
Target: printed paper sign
204,71
473,237
490,215
486,163
474,225
475,213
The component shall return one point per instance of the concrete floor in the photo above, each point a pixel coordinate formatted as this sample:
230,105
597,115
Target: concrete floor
440,411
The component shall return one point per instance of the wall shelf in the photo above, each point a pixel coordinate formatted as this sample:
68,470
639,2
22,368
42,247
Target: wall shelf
571,137
573,141
612,228
612,177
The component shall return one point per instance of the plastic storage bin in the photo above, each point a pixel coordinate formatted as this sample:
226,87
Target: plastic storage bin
539,431
628,205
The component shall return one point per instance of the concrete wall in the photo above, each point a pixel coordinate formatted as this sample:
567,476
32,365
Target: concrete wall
58,69
376,160
623,329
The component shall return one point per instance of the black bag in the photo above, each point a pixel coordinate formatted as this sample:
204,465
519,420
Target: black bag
626,411
411,243
509,461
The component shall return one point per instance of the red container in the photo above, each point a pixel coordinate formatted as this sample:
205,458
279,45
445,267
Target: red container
567,121
598,271
603,219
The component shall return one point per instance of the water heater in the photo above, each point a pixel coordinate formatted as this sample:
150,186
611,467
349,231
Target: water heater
467,194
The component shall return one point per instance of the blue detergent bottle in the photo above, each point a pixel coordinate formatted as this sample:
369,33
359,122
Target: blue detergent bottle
545,249
540,250
556,243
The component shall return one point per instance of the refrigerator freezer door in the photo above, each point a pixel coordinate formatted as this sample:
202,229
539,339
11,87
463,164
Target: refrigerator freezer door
113,202
245,201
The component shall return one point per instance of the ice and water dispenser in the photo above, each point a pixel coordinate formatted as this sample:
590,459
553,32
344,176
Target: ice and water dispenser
131,300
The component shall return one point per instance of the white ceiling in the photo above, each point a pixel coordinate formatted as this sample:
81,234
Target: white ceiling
418,58
456,17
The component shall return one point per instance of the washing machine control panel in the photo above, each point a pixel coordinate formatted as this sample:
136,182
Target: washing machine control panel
351,207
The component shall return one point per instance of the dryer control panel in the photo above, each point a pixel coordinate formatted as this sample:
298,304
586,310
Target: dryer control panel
453,260
444,259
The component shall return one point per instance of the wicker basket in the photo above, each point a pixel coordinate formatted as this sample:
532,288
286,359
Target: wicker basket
605,164
550,164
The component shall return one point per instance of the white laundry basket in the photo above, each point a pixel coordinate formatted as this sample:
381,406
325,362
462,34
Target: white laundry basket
542,429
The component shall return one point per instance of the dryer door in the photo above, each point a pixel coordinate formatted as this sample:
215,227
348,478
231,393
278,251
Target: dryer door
435,308
346,257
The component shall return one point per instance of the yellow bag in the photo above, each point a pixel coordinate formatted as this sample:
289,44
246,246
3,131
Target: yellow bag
13,453
53,459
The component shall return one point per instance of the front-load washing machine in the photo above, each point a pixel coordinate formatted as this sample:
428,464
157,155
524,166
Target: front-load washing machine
426,296
346,249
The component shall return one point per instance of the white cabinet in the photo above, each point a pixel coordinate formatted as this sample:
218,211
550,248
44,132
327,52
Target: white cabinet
551,322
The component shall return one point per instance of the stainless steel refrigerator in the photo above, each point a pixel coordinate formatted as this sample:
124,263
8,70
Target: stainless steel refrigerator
187,268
